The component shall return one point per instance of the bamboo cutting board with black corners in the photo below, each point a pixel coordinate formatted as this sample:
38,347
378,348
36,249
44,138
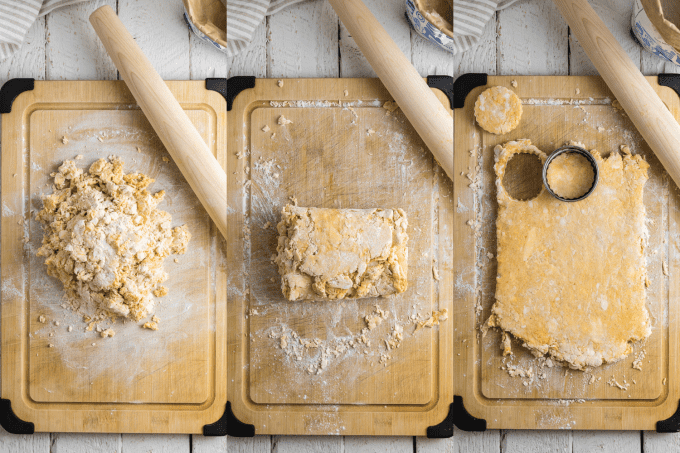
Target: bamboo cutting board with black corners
558,109
341,149
169,381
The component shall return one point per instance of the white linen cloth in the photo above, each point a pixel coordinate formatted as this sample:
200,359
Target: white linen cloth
470,18
244,16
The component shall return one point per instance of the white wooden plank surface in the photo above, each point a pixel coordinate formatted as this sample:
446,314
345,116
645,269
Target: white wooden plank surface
606,442
307,444
202,444
527,38
206,60
363,444
524,441
159,29
73,50
154,443
461,442
532,39
35,443
304,42
257,444
79,443
660,443
652,65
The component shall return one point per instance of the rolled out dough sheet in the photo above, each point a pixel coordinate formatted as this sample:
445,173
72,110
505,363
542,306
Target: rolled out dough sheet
571,276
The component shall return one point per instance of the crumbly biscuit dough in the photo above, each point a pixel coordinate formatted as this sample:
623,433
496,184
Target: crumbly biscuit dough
342,253
498,110
571,276
105,240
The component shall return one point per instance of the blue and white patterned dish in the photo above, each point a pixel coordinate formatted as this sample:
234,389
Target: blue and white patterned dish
426,29
649,37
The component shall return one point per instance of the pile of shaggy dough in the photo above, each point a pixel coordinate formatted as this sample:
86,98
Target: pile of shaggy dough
106,241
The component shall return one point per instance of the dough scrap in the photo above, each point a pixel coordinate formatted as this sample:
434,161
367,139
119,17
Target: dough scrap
571,276
328,254
498,110
105,240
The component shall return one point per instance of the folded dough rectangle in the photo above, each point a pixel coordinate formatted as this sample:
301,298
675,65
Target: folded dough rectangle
325,254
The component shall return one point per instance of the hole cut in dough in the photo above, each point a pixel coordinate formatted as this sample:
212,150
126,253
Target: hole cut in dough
523,177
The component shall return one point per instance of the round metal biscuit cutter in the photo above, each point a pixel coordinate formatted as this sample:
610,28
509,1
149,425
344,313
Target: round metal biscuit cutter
567,150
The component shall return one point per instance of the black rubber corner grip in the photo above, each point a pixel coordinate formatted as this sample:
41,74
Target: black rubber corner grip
218,84
10,422
443,83
464,84
671,81
444,429
228,424
462,418
235,85
11,89
670,425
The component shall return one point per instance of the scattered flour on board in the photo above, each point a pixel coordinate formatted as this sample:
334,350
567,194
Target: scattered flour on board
314,355
6,211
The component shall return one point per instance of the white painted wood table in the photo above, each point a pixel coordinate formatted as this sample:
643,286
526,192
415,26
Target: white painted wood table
307,40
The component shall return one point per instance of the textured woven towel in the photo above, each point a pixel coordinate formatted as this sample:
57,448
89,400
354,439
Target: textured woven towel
470,18
17,16
243,17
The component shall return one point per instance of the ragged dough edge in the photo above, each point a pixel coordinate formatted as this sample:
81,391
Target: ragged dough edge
575,357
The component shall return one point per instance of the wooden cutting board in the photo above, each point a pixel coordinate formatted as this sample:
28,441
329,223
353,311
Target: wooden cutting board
342,150
169,381
558,109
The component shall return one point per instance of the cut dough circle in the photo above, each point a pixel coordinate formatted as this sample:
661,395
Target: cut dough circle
498,110
570,175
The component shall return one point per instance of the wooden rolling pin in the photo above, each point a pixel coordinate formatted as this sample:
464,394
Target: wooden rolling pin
186,146
652,119
420,105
